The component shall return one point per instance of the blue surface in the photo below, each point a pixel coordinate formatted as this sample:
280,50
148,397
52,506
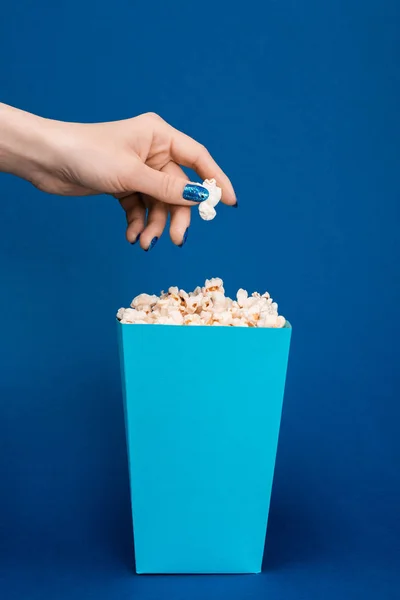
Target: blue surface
299,101
202,444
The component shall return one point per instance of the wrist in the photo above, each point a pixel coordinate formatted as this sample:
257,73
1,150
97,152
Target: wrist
25,148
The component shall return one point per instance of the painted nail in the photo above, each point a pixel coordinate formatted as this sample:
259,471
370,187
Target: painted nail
137,239
184,238
236,205
195,192
152,243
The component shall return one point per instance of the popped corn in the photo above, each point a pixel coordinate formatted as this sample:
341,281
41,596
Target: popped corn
207,208
207,306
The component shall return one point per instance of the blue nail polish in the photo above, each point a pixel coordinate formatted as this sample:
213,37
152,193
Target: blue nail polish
137,239
195,192
184,238
236,205
152,243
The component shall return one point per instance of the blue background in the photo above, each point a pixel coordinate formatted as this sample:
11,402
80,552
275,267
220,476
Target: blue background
299,102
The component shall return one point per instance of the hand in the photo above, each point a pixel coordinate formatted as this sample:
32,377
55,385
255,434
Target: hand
136,160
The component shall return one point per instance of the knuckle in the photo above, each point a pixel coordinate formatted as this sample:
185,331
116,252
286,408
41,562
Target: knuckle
167,187
203,153
153,116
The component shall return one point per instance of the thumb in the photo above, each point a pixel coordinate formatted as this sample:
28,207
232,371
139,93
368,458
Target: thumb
169,189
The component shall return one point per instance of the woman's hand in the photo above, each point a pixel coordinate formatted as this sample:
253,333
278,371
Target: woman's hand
136,160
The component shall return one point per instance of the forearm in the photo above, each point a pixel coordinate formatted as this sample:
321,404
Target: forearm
24,142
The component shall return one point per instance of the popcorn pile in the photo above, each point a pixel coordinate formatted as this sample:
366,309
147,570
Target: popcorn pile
207,305
207,208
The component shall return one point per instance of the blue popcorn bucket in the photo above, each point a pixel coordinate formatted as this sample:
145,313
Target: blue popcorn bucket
202,414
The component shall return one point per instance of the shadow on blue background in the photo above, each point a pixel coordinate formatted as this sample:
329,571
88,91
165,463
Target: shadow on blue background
298,101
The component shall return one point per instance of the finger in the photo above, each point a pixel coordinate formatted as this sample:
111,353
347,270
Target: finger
156,221
189,153
180,223
135,216
180,215
167,188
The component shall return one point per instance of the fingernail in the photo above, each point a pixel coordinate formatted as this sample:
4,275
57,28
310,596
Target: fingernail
236,205
195,192
152,243
184,238
137,239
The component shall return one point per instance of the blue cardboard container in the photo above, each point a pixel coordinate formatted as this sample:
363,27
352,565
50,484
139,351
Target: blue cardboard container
202,413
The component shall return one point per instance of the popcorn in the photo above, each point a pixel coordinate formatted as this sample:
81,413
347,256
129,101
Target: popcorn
196,292
280,321
176,316
241,296
205,306
144,300
131,315
269,321
219,301
254,312
253,301
120,314
239,323
224,318
207,208
192,320
206,317
215,192
214,285
166,321
207,212
194,302
138,322
206,302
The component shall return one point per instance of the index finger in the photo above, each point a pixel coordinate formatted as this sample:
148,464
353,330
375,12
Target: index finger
189,153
